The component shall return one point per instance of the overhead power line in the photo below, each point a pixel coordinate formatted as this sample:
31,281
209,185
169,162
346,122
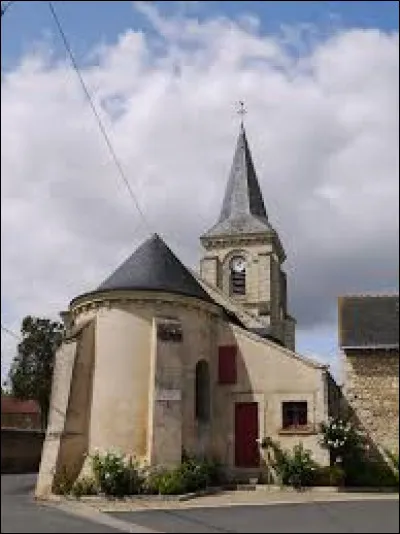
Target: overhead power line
96,114
11,333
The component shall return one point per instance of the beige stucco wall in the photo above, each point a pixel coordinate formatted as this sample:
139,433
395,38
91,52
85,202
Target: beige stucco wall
121,385
164,434
121,379
372,390
60,392
74,445
131,365
66,438
269,374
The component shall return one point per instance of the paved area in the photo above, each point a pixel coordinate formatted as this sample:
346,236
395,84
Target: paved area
261,497
378,516
236,512
19,513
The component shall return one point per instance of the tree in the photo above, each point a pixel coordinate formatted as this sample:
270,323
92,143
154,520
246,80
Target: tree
31,372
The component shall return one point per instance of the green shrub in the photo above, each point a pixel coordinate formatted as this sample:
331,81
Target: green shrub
295,468
192,475
171,483
199,474
152,480
342,439
215,473
329,476
301,467
114,475
84,486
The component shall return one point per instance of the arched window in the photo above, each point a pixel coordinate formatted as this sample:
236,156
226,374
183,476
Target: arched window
202,392
237,275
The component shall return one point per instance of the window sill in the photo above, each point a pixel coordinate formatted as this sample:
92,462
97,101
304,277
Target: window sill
305,431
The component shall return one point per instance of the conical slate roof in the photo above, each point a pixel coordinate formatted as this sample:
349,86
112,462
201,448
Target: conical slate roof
154,267
243,209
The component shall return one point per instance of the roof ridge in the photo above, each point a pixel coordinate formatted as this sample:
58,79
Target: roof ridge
295,355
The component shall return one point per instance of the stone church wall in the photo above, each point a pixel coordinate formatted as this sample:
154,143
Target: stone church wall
372,390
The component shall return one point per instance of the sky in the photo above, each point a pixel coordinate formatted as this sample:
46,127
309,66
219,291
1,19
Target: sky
320,82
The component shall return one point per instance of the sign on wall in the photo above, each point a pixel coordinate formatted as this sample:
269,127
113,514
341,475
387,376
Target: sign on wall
168,395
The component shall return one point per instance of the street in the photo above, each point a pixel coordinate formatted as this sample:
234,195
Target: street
371,516
20,513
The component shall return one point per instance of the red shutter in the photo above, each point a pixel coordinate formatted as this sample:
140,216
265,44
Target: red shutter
227,364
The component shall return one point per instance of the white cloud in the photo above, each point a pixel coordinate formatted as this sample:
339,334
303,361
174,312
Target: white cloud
324,134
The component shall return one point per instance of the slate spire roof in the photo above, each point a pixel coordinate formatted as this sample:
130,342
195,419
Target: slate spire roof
243,210
154,267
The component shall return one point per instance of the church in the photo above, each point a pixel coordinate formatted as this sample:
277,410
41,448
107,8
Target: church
159,359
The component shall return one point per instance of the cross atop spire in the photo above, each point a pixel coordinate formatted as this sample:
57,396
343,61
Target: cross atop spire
241,110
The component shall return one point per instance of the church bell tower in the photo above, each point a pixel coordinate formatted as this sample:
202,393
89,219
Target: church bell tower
244,254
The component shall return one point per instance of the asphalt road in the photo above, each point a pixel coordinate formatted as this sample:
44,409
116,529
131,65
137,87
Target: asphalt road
350,517
20,514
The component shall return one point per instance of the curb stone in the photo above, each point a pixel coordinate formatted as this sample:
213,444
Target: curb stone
99,510
143,497
220,490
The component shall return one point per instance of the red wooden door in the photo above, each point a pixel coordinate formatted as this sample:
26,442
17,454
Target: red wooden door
246,434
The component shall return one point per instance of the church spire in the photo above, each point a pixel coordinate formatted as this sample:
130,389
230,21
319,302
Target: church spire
243,210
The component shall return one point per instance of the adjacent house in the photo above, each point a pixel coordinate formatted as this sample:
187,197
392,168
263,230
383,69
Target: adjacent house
369,343
22,414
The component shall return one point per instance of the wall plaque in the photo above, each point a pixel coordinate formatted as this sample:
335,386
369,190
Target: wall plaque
168,395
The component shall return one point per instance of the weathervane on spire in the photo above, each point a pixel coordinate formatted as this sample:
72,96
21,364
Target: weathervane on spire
241,110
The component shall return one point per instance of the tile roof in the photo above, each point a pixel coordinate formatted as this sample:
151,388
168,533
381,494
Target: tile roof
367,321
16,406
